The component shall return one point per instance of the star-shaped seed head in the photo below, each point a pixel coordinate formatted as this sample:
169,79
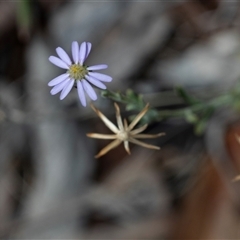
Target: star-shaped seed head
123,132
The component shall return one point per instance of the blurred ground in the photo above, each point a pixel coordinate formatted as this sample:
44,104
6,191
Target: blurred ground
52,187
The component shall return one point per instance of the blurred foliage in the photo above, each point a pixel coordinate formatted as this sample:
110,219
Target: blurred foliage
133,102
24,17
195,111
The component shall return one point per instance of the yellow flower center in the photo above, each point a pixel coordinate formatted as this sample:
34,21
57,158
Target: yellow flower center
77,71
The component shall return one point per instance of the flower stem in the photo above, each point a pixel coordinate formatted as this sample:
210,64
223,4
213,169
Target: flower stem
214,103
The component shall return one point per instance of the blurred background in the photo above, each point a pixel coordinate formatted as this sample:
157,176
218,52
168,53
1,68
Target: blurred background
52,187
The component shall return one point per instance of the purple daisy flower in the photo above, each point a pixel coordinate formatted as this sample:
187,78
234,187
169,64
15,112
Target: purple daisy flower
78,74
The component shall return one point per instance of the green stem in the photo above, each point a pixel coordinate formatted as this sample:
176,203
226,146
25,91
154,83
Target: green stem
214,103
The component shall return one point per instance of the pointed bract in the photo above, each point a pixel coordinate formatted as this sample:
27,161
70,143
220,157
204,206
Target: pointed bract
123,132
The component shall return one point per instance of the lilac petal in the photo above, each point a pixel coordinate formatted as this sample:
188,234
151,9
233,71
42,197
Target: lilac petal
88,88
63,55
95,82
100,76
67,89
56,89
58,80
81,93
75,52
58,62
97,67
82,52
89,46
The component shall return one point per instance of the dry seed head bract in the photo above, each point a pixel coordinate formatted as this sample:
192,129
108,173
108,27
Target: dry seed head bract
123,132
